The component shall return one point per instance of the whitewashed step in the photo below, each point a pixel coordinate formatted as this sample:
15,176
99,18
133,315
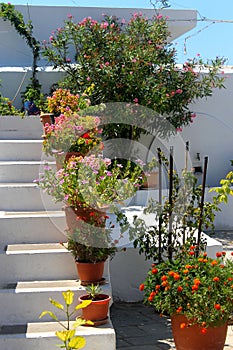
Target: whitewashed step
20,171
36,262
16,128
41,336
25,197
39,262
28,298
32,227
20,149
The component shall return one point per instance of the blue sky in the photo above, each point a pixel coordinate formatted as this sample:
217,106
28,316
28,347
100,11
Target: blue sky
209,42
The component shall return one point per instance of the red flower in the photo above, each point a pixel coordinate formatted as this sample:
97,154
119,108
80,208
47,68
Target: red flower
218,254
217,306
179,289
86,135
195,287
203,330
164,278
142,286
191,253
154,271
176,276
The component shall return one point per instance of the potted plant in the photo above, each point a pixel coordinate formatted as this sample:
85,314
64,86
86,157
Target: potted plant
196,292
68,335
62,101
97,310
183,282
72,134
131,61
90,186
90,246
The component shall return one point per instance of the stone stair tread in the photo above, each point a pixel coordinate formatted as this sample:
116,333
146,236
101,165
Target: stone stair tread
42,286
39,141
48,329
31,214
35,248
18,184
27,162
46,286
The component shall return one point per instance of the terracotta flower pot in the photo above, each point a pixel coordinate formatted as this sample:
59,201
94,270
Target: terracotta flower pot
191,338
74,215
90,272
151,180
97,311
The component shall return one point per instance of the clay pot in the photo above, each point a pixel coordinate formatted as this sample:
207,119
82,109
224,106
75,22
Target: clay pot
90,272
74,215
191,338
97,311
151,180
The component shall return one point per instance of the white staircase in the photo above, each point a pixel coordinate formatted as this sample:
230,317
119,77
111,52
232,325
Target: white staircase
34,265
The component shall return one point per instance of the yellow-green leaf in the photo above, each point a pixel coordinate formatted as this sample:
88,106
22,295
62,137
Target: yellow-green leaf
50,313
65,335
77,343
83,304
56,304
68,297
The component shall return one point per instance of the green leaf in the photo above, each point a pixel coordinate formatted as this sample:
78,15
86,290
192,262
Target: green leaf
50,313
56,304
68,297
77,343
83,304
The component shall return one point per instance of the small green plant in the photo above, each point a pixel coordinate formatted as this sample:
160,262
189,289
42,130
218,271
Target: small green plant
93,291
67,336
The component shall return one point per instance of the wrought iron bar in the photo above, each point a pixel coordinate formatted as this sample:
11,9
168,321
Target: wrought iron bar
201,205
160,205
170,204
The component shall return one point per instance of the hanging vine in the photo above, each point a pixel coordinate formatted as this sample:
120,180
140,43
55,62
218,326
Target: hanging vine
25,30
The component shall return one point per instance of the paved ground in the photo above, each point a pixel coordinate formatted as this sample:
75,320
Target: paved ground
139,327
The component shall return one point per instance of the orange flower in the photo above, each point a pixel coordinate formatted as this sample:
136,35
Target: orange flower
157,287
183,325
214,262
176,276
196,281
164,283
216,279
171,273
185,271
180,308
164,278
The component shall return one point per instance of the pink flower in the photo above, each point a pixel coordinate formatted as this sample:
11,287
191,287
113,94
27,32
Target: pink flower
51,38
136,100
68,60
178,129
179,91
88,78
130,72
69,16
159,16
193,115
107,63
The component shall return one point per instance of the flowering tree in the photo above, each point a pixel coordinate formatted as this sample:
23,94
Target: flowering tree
131,62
